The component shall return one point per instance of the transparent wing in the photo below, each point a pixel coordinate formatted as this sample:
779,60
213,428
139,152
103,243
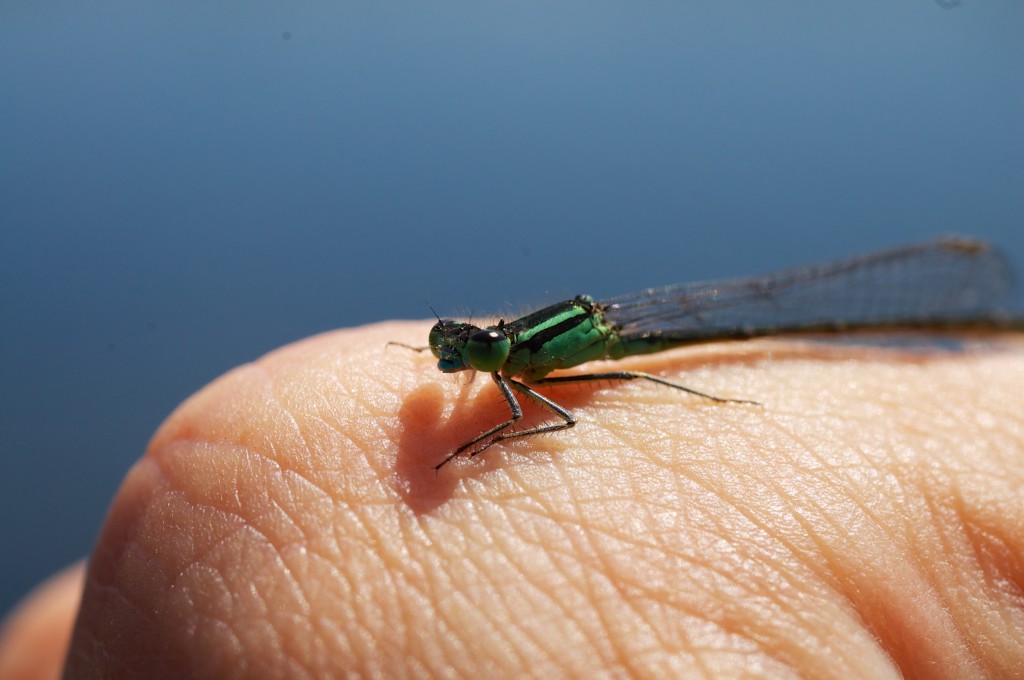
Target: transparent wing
948,281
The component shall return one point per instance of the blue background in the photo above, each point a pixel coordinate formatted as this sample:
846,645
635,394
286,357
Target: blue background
185,186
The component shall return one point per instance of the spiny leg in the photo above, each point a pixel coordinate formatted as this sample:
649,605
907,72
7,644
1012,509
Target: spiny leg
636,375
562,412
517,413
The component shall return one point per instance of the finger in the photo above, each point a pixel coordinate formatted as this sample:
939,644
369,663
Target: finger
34,639
288,518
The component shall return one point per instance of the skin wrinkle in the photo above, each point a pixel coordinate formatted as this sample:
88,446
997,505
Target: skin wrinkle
171,491
907,538
172,494
275,512
1002,567
726,620
375,613
866,457
363,615
825,478
596,582
952,535
906,620
966,594
338,622
288,571
722,624
439,585
554,595
458,600
763,528
415,599
366,526
264,369
996,584
302,479
726,575
551,544
624,444
591,535
274,400
407,582
209,663
522,644
157,453
555,656
838,528
330,625
208,618
643,596
922,543
833,583
98,649
254,600
146,613
616,538
490,545
615,622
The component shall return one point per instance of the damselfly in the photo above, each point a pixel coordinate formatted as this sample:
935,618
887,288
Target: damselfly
952,283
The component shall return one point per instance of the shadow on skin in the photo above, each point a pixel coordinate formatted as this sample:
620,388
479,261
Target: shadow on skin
426,438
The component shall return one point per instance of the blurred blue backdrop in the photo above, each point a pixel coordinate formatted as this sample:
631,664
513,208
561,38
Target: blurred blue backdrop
185,186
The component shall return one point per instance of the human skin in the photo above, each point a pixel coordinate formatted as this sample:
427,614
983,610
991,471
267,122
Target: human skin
866,520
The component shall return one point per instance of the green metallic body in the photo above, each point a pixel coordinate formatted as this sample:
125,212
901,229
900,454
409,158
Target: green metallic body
560,336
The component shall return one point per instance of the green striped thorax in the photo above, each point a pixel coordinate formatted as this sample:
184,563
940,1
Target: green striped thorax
565,334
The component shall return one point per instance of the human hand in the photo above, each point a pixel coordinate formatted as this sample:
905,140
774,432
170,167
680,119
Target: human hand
286,521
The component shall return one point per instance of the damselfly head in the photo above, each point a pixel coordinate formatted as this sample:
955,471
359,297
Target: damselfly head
447,342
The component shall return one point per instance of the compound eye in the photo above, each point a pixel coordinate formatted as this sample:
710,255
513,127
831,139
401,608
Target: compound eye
487,350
